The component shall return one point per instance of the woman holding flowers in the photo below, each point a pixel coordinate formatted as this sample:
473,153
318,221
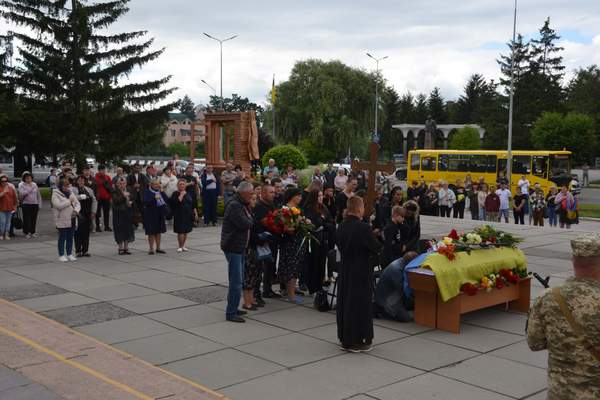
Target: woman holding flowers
458,210
292,246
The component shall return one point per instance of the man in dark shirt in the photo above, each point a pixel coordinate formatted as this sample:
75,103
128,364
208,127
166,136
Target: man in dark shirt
329,175
341,200
393,240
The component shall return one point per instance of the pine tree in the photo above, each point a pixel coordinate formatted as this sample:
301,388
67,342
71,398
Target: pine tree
468,102
406,108
187,107
421,111
545,57
391,139
435,103
72,75
522,60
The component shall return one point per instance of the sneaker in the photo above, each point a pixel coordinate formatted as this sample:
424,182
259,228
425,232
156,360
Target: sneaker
365,348
180,250
351,349
34,235
28,236
63,259
71,257
185,249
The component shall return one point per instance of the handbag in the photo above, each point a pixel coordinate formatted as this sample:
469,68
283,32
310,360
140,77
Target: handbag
321,302
263,253
16,219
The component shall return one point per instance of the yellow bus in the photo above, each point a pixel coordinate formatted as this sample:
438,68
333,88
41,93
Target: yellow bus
548,168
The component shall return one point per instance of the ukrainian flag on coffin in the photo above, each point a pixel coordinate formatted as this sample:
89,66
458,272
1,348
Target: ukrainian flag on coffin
450,275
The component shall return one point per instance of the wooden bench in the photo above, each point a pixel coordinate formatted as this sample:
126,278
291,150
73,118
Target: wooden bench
431,311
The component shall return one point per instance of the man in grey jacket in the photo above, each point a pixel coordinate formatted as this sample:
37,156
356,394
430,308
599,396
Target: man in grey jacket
235,235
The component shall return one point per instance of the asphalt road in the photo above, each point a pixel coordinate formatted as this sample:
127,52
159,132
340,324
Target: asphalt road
589,196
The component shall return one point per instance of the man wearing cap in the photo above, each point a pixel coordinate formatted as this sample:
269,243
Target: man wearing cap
566,321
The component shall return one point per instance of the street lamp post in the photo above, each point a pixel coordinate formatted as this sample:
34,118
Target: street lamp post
209,86
511,102
221,41
376,89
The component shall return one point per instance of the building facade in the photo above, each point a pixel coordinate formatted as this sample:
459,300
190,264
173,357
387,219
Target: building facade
179,128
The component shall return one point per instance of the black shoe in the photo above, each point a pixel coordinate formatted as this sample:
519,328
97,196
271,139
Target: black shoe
159,251
151,252
124,252
260,302
242,312
98,230
235,318
86,255
271,295
251,308
108,229
304,288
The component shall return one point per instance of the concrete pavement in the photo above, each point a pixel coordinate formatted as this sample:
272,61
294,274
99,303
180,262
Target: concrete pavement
169,311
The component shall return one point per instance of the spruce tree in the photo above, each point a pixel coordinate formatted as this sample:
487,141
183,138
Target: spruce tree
72,74
421,110
522,60
406,108
435,103
187,107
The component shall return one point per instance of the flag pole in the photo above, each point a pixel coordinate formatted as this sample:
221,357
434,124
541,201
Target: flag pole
273,105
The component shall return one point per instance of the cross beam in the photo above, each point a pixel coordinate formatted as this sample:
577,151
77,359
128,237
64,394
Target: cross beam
372,167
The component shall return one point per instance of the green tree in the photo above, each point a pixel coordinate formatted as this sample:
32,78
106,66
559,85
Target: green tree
421,110
406,108
391,139
187,107
436,106
330,103
573,131
69,73
315,154
284,155
178,148
466,138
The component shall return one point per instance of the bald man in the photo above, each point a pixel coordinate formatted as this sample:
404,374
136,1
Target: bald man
357,245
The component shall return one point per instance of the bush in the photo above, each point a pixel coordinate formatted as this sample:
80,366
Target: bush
284,155
178,148
466,138
315,153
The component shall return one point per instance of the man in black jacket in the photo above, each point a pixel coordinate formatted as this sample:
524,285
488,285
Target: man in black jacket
235,234
265,204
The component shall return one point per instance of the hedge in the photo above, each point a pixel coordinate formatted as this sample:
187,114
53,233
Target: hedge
285,155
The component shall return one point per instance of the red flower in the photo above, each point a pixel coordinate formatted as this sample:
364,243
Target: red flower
499,284
469,289
514,278
453,235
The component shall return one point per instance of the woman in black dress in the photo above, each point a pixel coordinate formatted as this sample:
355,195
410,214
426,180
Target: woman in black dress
155,212
182,207
252,268
318,214
292,251
122,207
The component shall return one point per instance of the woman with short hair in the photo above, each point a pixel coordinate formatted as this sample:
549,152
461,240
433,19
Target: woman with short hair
122,207
155,213
31,201
8,205
183,214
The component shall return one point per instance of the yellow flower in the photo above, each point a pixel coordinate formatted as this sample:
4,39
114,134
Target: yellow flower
485,281
447,240
295,211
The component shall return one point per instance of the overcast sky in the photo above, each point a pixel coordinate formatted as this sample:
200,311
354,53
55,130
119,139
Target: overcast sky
429,42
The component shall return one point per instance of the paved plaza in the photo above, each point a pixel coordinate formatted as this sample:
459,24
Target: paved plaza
168,310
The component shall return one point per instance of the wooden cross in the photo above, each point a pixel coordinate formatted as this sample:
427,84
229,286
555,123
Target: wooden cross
372,167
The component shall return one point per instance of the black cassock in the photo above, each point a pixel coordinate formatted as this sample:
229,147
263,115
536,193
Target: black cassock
357,245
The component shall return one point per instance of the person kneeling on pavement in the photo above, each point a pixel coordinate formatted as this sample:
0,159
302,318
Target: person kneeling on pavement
390,301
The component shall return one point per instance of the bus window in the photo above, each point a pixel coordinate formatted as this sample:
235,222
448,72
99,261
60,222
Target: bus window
415,162
559,165
540,166
428,163
521,165
483,163
458,162
443,164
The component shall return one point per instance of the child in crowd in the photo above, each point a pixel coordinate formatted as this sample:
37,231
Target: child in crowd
492,206
393,236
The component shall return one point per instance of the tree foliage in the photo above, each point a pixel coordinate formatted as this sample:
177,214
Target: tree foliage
573,131
284,155
466,138
187,107
178,148
69,76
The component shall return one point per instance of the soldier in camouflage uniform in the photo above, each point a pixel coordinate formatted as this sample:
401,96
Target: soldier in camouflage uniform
567,323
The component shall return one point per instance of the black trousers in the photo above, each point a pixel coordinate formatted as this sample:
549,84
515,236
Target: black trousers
458,211
445,211
519,217
269,272
82,236
209,205
316,268
104,211
30,214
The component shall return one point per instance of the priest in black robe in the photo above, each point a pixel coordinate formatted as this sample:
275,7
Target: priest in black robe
357,245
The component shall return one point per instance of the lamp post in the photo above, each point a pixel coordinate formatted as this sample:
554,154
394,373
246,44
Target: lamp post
511,102
221,41
376,89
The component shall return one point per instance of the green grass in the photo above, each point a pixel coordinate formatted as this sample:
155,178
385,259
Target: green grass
46,193
589,210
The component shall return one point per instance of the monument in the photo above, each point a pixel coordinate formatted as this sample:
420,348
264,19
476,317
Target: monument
231,137
430,131
372,167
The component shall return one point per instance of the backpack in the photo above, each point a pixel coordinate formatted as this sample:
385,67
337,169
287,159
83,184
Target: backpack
321,302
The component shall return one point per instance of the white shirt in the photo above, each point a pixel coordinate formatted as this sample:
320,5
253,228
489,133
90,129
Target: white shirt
212,185
169,184
504,195
524,186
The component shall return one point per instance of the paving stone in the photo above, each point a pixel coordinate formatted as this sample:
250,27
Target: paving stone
117,292
407,327
124,329
520,352
499,320
334,378
473,338
30,291
421,353
225,333
203,295
496,374
69,278
10,379
9,279
169,347
160,281
296,318
189,317
430,386
87,314
539,396
32,391
53,302
329,333
224,368
152,303
291,350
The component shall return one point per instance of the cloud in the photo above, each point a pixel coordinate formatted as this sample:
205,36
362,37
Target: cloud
429,42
